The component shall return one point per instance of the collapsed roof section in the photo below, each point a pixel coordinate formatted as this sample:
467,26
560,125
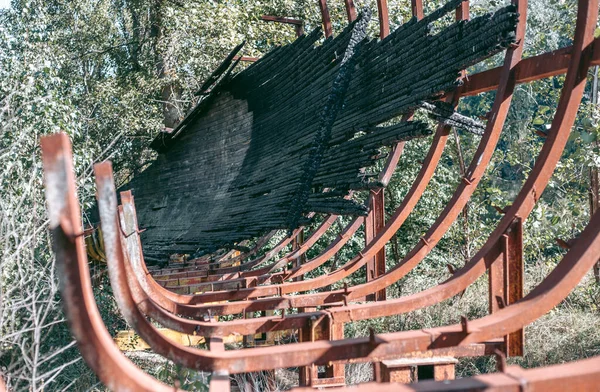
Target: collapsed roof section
300,128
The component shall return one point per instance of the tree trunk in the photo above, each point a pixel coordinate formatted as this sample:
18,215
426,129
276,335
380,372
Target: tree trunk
170,91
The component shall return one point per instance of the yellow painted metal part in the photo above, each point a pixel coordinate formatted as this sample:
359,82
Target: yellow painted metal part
94,245
130,341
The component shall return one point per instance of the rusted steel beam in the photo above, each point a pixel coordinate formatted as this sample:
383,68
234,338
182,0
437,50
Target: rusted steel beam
246,59
506,280
462,12
297,23
173,279
577,376
384,18
417,8
515,272
301,260
350,10
533,68
93,340
374,224
321,329
325,18
219,380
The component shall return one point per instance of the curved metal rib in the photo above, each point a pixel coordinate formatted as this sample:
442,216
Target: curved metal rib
553,289
558,284
193,279
93,340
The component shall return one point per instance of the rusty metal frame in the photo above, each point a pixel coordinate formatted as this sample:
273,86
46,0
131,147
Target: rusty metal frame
438,229
297,23
95,343
325,18
575,264
93,340
247,272
582,376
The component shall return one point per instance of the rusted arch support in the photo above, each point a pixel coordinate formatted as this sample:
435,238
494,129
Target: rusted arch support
462,12
187,279
93,340
350,10
573,267
325,18
583,243
577,376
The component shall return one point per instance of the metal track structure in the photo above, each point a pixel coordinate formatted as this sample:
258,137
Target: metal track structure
186,298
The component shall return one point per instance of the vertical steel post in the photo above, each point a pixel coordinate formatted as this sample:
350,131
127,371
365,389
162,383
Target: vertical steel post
219,380
326,18
298,240
514,272
374,223
322,329
506,281
350,10
384,18
417,8
462,12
